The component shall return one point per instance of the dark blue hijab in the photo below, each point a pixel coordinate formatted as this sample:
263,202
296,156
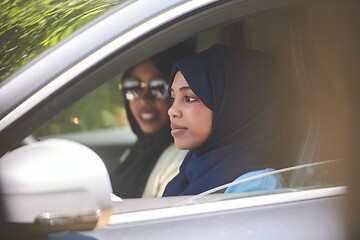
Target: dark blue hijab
241,87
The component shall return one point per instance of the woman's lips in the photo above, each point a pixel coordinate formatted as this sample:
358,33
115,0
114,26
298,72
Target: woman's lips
148,116
177,130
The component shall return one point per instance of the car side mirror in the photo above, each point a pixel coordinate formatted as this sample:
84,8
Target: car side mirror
55,185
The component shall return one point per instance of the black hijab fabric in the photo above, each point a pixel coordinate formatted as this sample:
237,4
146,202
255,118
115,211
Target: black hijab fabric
241,87
130,178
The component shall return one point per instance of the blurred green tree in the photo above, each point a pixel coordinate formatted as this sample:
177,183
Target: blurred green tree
28,27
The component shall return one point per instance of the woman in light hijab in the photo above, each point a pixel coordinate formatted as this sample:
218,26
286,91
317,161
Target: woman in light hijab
226,111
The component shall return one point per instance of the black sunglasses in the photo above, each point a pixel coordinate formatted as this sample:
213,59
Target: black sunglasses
133,88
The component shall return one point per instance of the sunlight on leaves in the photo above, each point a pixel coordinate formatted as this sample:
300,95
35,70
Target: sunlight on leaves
29,27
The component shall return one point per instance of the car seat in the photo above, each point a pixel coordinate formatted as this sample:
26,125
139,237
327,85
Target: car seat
311,130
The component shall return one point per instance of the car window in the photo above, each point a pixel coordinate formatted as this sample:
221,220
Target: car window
99,119
102,108
310,94
29,28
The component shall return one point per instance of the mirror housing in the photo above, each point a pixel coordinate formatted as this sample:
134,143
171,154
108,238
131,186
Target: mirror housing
55,185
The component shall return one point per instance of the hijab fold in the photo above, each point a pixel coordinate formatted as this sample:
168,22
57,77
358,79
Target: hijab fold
241,88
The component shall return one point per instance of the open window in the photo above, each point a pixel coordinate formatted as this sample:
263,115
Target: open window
316,115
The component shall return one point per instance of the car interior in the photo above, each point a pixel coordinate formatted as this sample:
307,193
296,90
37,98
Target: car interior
305,42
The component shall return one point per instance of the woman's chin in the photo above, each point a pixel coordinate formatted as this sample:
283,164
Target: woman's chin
149,129
183,145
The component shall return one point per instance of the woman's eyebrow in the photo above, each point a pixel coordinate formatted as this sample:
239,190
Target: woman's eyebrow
182,88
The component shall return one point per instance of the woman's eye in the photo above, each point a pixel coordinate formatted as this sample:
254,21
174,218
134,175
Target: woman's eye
171,99
189,99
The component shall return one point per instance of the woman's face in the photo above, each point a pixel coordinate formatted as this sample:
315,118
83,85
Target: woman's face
150,113
191,120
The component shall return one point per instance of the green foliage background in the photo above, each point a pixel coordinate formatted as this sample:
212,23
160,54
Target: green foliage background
29,27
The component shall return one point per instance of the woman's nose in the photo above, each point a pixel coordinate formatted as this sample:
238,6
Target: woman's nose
146,95
174,111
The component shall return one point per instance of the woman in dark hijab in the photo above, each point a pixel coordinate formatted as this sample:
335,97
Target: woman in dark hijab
145,88
226,110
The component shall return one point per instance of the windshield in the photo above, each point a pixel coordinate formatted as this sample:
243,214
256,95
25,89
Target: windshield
28,28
